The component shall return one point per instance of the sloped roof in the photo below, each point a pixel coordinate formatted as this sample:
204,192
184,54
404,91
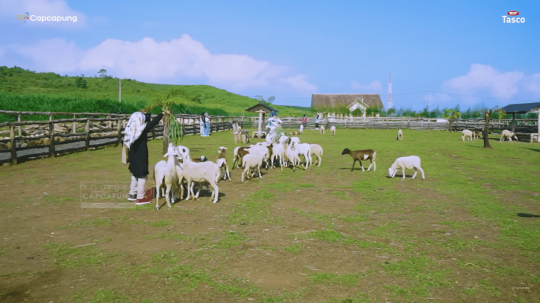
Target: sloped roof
262,106
333,100
521,108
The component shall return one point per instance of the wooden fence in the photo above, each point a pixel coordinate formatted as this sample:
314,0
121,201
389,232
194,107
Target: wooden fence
61,136
90,132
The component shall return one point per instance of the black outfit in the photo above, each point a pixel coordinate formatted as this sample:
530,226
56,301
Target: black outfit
138,152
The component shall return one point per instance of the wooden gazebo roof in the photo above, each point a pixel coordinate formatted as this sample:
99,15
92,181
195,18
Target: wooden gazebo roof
261,106
522,108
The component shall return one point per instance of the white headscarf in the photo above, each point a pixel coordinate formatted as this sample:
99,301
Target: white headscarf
134,128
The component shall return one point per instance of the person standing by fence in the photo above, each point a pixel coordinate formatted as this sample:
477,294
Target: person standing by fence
201,124
317,120
206,125
135,140
304,121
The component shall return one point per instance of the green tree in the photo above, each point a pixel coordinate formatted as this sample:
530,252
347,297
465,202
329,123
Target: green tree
102,73
452,115
269,101
80,82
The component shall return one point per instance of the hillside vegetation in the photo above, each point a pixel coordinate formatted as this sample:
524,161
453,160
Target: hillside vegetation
22,89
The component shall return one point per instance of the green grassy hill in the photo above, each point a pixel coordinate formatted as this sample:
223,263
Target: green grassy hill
22,89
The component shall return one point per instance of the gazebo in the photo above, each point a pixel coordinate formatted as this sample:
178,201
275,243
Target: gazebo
522,108
262,109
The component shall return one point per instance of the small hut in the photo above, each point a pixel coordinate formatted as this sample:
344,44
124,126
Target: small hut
262,109
522,108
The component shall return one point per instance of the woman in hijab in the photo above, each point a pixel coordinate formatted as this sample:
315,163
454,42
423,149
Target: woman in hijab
317,122
202,124
304,121
135,140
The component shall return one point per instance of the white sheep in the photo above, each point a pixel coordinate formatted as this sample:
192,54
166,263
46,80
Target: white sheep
219,163
291,154
253,160
399,135
278,153
165,174
200,172
315,149
301,128
410,162
304,149
332,130
467,133
507,134
222,154
322,129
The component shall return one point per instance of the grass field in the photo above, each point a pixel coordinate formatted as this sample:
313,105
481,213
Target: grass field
321,235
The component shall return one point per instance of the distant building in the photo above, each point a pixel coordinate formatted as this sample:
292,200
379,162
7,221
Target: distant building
327,102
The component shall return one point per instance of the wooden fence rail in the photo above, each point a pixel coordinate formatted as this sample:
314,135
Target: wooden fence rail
52,139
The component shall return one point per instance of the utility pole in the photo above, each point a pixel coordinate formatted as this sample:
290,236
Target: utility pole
119,90
390,104
429,103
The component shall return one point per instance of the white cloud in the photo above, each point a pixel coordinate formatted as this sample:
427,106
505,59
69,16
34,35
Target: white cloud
484,77
374,86
532,83
12,8
300,84
168,61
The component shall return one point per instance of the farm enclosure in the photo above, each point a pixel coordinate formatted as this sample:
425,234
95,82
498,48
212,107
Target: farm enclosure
324,234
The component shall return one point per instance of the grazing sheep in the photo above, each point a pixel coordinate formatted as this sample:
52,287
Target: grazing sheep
322,129
332,130
253,161
222,154
315,149
467,133
165,175
362,155
200,172
399,135
410,162
477,134
508,134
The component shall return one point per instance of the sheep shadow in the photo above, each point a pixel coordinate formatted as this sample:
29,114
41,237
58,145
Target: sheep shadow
534,149
524,215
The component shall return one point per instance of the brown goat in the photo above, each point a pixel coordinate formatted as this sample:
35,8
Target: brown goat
242,151
359,155
295,134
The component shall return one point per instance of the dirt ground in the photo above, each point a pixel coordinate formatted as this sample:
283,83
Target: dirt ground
307,236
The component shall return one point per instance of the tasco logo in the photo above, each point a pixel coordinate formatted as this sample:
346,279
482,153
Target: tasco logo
512,18
46,18
23,17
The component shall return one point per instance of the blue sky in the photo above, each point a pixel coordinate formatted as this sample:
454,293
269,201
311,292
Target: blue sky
291,49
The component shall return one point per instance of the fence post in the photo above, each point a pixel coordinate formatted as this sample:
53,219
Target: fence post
74,127
50,117
19,127
87,137
51,138
13,147
119,128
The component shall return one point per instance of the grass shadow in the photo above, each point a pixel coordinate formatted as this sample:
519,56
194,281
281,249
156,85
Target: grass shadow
523,215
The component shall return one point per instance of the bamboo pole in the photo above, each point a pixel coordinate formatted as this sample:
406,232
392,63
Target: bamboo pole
19,128
87,137
51,138
74,127
13,147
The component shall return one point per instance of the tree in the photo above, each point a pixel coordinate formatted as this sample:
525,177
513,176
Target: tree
102,73
80,82
451,115
269,101
487,117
